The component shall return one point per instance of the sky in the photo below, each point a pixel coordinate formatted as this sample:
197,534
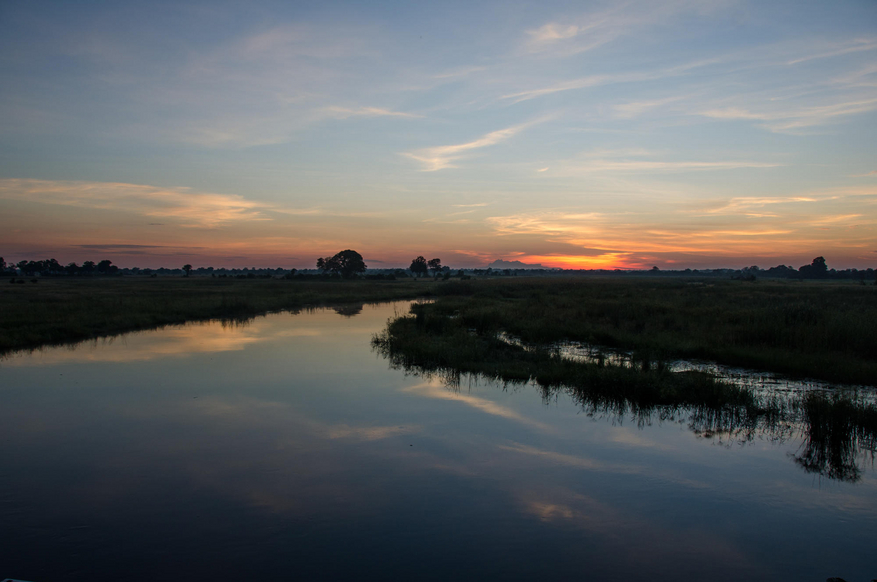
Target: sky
676,134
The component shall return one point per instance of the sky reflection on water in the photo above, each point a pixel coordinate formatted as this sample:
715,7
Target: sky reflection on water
288,448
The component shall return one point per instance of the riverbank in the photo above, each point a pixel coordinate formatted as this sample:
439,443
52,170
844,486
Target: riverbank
56,311
821,330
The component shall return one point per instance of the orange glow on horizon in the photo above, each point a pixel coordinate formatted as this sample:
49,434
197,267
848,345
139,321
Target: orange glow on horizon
608,261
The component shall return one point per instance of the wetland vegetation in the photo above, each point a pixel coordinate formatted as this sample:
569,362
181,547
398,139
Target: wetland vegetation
823,330
796,329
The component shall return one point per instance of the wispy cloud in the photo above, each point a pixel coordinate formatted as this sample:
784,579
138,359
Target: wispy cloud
795,118
462,72
435,390
368,433
845,48
570,39
658,231
610,79
745,203
633,109
442,157
655,166
188,207
603,161
345,112
549,223
590,30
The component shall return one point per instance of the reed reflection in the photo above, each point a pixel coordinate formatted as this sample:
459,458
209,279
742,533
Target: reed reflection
349,310
837,429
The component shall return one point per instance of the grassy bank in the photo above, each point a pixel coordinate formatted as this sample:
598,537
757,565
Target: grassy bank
62,310
430,343
824,330
839,429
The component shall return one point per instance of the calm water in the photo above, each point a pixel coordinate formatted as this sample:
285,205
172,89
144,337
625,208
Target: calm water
288,449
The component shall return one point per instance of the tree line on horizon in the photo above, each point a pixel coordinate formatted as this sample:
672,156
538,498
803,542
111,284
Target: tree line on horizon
349,264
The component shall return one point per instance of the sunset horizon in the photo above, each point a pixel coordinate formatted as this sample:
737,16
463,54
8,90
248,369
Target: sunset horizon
464,290
606,136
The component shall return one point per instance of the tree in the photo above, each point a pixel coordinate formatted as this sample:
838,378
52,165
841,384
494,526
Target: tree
815,270
419,266
53,266
347,263
187,268
88,266
435,265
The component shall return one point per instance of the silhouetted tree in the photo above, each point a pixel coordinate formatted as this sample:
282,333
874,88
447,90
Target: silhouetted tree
347,263
52,266
419,266
88,267
435,265
187,268
815,270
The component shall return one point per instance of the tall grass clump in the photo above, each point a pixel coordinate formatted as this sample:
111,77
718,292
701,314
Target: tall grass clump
838,428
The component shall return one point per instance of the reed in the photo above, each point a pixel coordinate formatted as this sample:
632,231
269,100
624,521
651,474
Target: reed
838,428
823,330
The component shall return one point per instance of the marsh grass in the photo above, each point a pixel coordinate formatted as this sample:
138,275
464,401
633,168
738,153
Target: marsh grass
822,330
838,429
66,310
433,342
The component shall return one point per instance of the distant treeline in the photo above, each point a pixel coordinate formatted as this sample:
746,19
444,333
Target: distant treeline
818,269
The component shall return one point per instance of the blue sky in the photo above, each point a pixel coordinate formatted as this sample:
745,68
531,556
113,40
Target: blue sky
622,134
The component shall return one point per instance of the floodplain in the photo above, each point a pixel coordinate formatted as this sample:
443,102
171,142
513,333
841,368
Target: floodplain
506,428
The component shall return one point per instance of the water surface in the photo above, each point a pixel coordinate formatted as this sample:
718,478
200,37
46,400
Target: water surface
287,448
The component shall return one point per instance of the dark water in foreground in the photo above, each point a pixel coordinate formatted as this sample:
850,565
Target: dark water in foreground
287,449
